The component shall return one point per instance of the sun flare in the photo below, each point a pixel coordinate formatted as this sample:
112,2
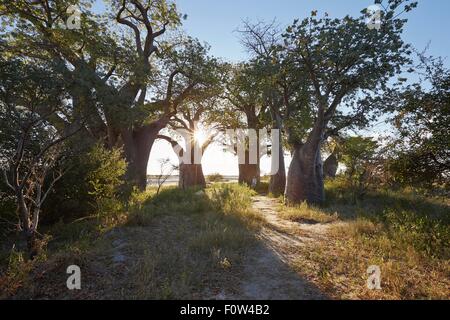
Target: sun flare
200,136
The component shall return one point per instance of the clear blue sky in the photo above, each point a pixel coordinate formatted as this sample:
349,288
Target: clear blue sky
214,21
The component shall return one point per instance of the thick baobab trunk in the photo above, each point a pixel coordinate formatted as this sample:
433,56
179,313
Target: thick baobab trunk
191,175
277,183
330,166
305,177
137,147
249,173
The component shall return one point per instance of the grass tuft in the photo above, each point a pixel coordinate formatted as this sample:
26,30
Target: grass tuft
305,213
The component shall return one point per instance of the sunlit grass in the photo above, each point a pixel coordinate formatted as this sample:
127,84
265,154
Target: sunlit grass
304,213
177,244
407,236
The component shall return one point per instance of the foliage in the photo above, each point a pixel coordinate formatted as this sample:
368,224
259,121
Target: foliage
215,177
33,150
228,198
105,168
94,186
358,154
344,65
420,155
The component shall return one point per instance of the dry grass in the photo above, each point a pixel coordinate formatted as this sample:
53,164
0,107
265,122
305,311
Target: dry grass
178,244
195,252
191,244
407,236
339,266
307,214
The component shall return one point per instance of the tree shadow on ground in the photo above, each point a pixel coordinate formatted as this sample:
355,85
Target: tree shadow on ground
179,249
269,277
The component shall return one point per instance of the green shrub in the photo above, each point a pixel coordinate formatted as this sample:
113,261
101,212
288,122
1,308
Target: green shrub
426,234
229,198
91,187
104,178
215,177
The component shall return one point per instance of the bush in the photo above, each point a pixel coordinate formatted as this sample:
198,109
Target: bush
104,178
357,156
215,177
229,198
428,235
91,187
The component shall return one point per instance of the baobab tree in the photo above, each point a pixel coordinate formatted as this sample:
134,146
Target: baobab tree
190,156
244,95
109,66
261,40
344,64
195,111
185,75
329,73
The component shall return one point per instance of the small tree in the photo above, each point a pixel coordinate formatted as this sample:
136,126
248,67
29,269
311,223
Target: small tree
166,168
106,169
420,153
32,150
358,154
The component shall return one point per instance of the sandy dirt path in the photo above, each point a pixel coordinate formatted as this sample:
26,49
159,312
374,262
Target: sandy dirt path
267,274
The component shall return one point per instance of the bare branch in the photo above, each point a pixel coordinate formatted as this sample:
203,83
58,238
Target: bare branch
137,33
5,174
